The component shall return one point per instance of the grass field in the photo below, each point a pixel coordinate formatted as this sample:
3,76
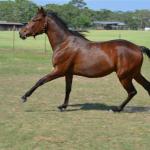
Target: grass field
87,124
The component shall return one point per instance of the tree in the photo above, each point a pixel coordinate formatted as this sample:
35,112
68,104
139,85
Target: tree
143,16
75,14
78,3
24,10
6,11
17,11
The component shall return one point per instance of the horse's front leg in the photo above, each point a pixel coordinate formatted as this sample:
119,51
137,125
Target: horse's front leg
56,73
68,79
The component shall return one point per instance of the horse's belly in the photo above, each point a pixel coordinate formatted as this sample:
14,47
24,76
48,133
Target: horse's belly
93,70
93,63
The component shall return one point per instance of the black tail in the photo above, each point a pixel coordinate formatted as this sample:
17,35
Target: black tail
145,50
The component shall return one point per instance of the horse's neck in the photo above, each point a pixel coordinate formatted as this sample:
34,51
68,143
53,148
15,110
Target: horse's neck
56,35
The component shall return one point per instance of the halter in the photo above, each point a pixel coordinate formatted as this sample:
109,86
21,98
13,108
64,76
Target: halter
45,27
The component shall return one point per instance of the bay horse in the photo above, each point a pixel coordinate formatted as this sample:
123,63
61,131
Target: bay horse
73,54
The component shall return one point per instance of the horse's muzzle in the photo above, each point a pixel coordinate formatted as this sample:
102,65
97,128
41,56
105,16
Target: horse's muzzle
22,36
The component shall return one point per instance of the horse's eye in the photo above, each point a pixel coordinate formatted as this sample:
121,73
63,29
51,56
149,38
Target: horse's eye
36,19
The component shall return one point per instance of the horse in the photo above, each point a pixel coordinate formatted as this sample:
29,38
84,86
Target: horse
74,54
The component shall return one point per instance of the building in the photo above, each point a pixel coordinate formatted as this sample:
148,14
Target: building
109,25
9,26
147,28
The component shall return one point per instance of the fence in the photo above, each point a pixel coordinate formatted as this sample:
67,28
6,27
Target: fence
11,40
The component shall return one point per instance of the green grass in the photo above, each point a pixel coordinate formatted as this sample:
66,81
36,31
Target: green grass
87,125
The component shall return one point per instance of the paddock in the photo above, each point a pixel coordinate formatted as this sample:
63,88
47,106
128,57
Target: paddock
88,123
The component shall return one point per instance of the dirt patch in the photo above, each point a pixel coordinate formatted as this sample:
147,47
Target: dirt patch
49,139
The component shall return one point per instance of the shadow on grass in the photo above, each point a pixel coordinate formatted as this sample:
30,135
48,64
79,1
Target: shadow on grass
104,107
98,106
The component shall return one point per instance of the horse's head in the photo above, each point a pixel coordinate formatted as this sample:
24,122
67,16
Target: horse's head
36,26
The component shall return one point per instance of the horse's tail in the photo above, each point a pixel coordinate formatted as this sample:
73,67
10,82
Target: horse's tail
145,50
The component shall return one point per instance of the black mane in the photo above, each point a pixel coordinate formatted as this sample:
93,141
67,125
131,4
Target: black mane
63,24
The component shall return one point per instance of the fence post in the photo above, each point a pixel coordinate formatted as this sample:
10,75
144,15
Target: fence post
119,35
45,48
14,37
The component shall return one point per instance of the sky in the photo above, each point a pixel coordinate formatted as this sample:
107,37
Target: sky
115,5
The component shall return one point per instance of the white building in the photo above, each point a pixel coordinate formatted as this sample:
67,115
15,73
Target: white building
147,28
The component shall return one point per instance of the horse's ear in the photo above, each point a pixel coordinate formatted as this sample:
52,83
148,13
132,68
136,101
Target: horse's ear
42,11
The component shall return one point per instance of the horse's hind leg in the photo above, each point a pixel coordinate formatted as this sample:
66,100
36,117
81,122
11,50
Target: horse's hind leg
128,86
142,81
68,79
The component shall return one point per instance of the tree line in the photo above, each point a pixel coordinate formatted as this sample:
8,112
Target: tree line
75,13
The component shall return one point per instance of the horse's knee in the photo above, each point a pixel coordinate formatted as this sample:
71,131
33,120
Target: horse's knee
132,93
40,82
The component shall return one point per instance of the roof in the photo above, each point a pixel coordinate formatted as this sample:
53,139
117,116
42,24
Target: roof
9,23
109,23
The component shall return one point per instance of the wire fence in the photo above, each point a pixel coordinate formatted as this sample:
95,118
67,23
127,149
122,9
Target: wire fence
11,40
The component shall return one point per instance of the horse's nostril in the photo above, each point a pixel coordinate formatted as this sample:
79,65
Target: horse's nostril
22,36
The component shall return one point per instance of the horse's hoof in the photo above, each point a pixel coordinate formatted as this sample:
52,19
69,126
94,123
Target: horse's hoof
62,108
116,109
24,99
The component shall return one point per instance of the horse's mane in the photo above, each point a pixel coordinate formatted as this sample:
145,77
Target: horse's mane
63,24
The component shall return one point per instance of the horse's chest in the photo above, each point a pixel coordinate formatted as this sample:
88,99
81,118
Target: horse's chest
63,58
59,57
